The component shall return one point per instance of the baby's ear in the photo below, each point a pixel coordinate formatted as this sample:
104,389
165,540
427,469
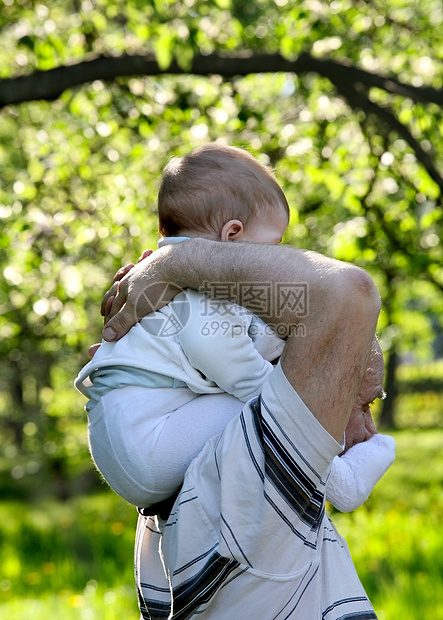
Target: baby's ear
232,231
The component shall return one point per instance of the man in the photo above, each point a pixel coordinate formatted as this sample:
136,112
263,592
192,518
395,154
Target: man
248,536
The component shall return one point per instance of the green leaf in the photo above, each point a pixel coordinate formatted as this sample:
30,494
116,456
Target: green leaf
164,47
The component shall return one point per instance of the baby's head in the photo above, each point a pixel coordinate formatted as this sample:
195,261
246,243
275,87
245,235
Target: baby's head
221,192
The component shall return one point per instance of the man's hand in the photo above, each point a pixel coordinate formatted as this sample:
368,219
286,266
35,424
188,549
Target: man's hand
361,426
136,291
108,299
109,296
93,349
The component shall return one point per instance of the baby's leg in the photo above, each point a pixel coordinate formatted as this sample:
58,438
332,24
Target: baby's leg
185,432
142,440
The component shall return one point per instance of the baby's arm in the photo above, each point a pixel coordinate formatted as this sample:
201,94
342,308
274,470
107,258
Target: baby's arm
220,347
355,473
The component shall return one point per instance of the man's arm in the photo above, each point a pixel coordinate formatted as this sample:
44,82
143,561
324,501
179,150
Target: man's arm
325,366
155,281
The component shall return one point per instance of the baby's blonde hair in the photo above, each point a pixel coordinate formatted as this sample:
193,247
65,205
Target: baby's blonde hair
211,185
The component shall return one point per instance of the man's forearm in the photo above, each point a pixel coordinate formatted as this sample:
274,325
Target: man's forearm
245,273
252,275
280,284
284,286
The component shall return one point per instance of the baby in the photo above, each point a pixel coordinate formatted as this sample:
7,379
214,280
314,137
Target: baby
158,394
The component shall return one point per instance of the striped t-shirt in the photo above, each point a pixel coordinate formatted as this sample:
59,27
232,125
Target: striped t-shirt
248,537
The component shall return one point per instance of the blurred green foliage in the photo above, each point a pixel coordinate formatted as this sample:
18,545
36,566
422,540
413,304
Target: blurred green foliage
79,178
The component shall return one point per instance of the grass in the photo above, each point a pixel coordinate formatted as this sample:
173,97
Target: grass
70,560
74,560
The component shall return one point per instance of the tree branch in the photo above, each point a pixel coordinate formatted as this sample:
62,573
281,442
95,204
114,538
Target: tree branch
356,100
339,71
49,85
